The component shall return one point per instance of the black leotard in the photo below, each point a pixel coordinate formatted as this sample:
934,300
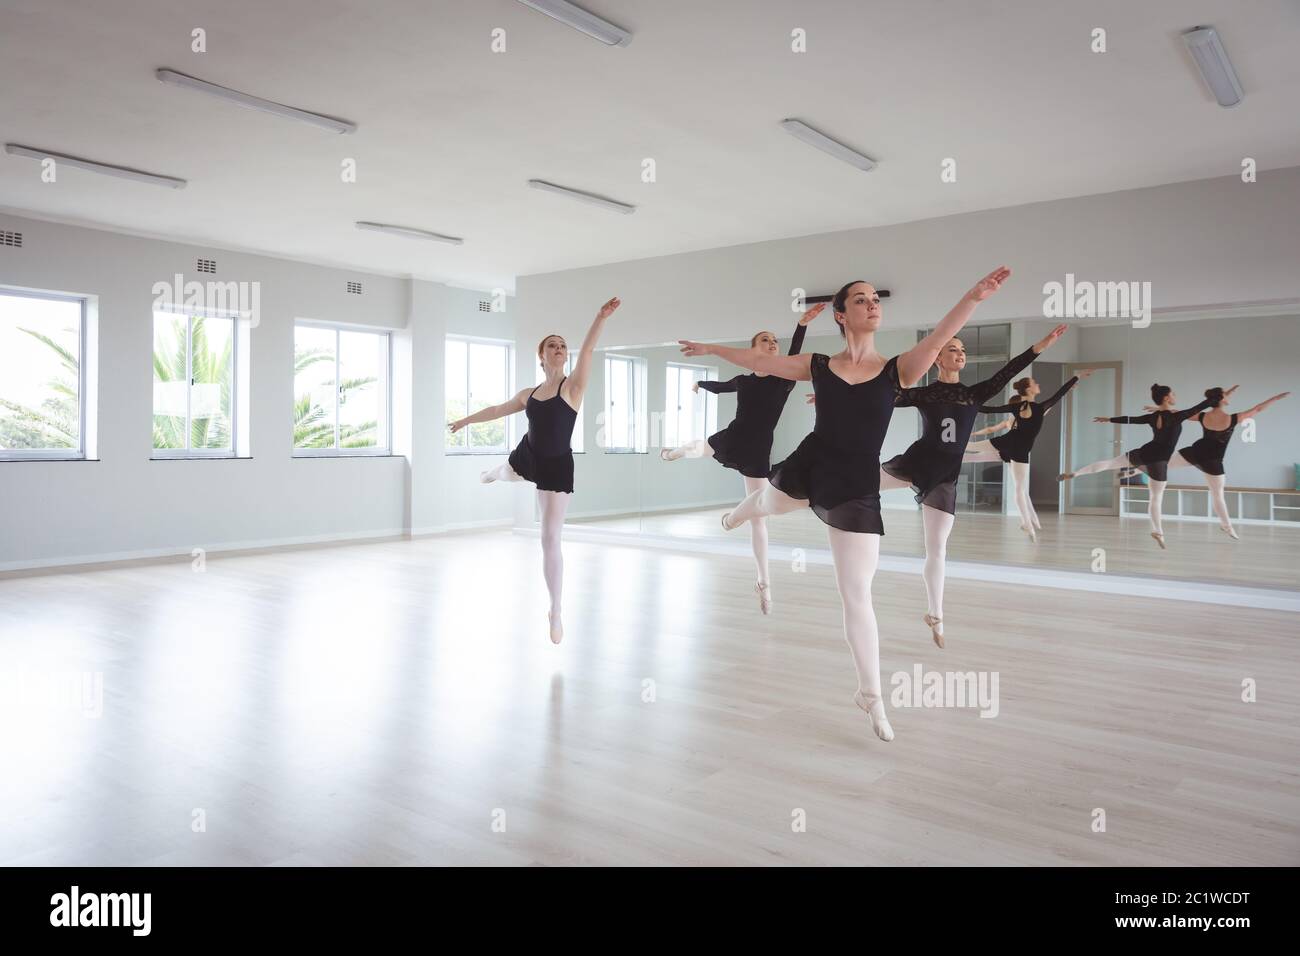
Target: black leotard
544,456
933,462
1206,453
1015,444
746,444
1167,426
836,468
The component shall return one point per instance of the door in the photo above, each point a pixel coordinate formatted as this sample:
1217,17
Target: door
1087,441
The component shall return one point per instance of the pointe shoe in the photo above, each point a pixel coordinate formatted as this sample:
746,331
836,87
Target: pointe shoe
666,455
557,628
1033,538
1231,532
933,623
486,477
875,708
1038,525
764,592
1065,476
725,526
1160,540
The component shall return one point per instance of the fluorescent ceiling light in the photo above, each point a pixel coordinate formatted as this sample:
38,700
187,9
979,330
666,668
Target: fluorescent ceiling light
582,197
804,132
121,172
1212,60
410,233
573,15
172,78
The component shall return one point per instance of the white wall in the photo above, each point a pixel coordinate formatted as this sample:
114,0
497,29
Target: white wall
1216,241
127,505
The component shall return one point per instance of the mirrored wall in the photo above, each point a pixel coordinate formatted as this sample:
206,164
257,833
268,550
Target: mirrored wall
641,400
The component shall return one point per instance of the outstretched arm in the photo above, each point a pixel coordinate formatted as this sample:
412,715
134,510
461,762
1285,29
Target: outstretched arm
916,361
1059,394
996,427
493,412
582,368
1252,412
998,381
796,368
1129,419
717,388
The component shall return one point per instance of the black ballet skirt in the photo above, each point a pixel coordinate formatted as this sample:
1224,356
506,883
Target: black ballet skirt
544,456
1206,453
1166,426
746,444
932,463
836,468
1015,444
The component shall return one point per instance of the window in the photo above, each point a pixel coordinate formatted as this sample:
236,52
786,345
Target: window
341,391
42,380
689,415
478,375
194,393
624,427
577,442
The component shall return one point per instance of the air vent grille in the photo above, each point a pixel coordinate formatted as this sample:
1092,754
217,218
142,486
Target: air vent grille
484,305
207,265
14,239
354,288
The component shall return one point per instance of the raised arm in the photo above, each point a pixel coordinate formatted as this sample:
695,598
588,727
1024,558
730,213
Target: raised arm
796,368
916,361
717,388
995,427
493,412
796,343
1059,394
582,368
998,380
1252,412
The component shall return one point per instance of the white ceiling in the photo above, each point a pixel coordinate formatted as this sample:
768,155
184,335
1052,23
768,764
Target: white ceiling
450,132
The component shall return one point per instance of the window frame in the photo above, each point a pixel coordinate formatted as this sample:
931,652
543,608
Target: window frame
509,346
378,451
58,454
710,402
171,454
637,401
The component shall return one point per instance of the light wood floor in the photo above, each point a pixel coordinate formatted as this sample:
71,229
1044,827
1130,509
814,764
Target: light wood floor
1197,551
375,704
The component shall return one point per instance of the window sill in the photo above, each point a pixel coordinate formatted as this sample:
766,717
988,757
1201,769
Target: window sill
200,457
299,456
4,460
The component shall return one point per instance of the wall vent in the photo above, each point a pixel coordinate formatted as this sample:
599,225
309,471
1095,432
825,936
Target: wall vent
207,265
354,288
484,305
14,239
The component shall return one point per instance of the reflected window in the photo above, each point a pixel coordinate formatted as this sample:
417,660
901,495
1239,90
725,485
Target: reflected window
624,430
689,414
478,374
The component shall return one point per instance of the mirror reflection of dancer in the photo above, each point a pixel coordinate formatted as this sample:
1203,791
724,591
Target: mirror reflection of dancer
1014,445
1152,458
1207,452
835,469
544,456
746,444
932,463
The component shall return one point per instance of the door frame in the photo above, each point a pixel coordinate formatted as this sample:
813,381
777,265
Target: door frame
1067,458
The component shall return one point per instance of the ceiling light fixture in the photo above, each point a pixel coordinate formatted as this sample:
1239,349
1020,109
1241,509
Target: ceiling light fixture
1212,60
573,15
805,133
247,100
121,172
410,233
579,195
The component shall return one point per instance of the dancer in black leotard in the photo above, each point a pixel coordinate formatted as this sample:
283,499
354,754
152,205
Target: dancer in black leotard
933,462
835,470
1152,458
1207,452
1014,444
543,456
746,444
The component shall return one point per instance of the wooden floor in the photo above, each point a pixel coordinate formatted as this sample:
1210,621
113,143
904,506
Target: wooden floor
379,703
1197,551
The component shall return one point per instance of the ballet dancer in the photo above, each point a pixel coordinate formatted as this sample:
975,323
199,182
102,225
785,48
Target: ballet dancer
543,456
1015,443
835,469
746,444
1152,458
1206,453
932,463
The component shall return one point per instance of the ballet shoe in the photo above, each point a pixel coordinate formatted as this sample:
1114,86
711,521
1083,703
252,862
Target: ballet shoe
1160,540
557,628
764,592
1038,525
666,455
1230,532
1033,538
875,708
933,623
486,477
1064,476
725,526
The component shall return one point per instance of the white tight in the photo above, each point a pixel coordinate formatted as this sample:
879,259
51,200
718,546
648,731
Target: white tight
938,525
1216,483
502,472
1109,464
856,556
1024,504
757,528
692,449
981,451
553,505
